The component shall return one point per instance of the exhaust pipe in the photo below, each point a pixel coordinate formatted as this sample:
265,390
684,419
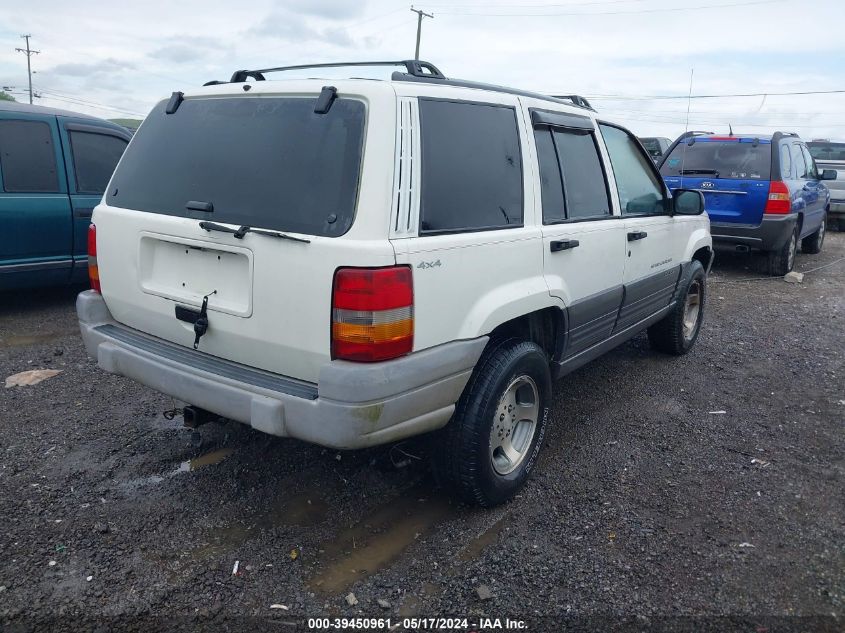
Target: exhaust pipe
194,417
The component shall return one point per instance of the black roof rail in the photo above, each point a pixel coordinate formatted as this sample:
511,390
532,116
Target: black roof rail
578,100
462,83
413,67
779,135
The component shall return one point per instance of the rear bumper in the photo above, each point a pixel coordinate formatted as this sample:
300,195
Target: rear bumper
770,235
354,405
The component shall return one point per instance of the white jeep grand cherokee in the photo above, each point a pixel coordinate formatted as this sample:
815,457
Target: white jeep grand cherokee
356,263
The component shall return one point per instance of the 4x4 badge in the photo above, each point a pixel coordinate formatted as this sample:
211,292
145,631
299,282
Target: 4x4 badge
425,265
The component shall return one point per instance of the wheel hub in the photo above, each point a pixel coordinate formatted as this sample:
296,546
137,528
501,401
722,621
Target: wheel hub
514,424
692,309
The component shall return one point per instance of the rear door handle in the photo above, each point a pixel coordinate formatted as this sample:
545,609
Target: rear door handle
637,235
562,245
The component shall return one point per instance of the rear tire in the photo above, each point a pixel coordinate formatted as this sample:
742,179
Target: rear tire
782,260
487,451
677,332
812,244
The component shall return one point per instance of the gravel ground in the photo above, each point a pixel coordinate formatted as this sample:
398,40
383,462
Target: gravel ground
697,491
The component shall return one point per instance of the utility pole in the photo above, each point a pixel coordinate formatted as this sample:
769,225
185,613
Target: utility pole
29,53
420,15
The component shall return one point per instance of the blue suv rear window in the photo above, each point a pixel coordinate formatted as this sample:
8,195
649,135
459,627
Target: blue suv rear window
744,159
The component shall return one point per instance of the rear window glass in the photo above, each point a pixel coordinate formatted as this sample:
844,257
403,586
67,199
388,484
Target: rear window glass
262,162
471,167
715,159
827,151
28,157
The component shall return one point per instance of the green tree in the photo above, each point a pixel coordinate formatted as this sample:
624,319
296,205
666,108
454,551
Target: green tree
5,96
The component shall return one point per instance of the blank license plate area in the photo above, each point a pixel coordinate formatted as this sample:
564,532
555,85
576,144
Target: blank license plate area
187,271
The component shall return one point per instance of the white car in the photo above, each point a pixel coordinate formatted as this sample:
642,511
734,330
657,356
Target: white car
357,262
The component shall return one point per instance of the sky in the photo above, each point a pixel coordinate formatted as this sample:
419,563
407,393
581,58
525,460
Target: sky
117,59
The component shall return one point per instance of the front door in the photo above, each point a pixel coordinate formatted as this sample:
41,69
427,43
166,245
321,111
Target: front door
582,258
653,244
36,240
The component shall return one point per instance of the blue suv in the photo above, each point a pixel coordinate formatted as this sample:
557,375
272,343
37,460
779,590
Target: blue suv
762,193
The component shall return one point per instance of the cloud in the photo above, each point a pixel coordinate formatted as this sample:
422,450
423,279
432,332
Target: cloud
294,29
179,53
107,66
328,9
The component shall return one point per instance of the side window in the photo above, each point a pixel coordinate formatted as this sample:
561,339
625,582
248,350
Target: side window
785,162
640,192
800,162
551,187
583,178
94,158
471,167
28,157
812,171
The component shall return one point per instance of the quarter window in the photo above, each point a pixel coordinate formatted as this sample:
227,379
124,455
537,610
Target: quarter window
94,159
640,192
28,157
785,162
471,167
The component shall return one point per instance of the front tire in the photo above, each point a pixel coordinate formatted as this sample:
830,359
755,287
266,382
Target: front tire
677,332
490,446
812,244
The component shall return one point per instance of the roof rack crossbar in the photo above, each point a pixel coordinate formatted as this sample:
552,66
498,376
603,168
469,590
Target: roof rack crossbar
414,67
578,100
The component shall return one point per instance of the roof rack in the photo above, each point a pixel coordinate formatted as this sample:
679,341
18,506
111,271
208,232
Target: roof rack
578,100
413,67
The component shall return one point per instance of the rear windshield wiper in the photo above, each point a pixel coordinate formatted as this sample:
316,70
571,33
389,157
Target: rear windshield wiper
686,172
239,233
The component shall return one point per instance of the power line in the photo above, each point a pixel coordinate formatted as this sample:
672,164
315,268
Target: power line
713,96
620,12
58,96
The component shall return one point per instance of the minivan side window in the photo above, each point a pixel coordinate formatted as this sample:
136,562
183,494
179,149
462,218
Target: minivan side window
640,192
471,167
28,157
94,159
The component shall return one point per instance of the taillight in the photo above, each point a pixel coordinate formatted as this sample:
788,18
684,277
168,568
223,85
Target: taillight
778,201
93,270
372,313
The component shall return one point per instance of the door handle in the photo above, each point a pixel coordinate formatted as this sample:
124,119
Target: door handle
637,235
562,245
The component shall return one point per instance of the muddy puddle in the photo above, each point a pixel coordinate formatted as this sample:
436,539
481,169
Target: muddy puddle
379,539
189,465
304,509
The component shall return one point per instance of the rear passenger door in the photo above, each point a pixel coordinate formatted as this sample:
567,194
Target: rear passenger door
582,239
35,221
91,154
654,242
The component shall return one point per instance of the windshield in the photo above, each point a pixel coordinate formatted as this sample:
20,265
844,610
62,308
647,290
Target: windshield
652,146
827,151
264,162
720,159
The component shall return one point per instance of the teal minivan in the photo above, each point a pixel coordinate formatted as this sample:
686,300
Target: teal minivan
54,168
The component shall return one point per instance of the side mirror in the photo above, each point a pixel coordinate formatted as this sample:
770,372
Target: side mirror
687,202
828,174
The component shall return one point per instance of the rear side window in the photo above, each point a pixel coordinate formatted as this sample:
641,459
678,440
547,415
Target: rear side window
471,167
583,178
94,159
785,162
638,187
261,162
551,185
733,160
28,157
